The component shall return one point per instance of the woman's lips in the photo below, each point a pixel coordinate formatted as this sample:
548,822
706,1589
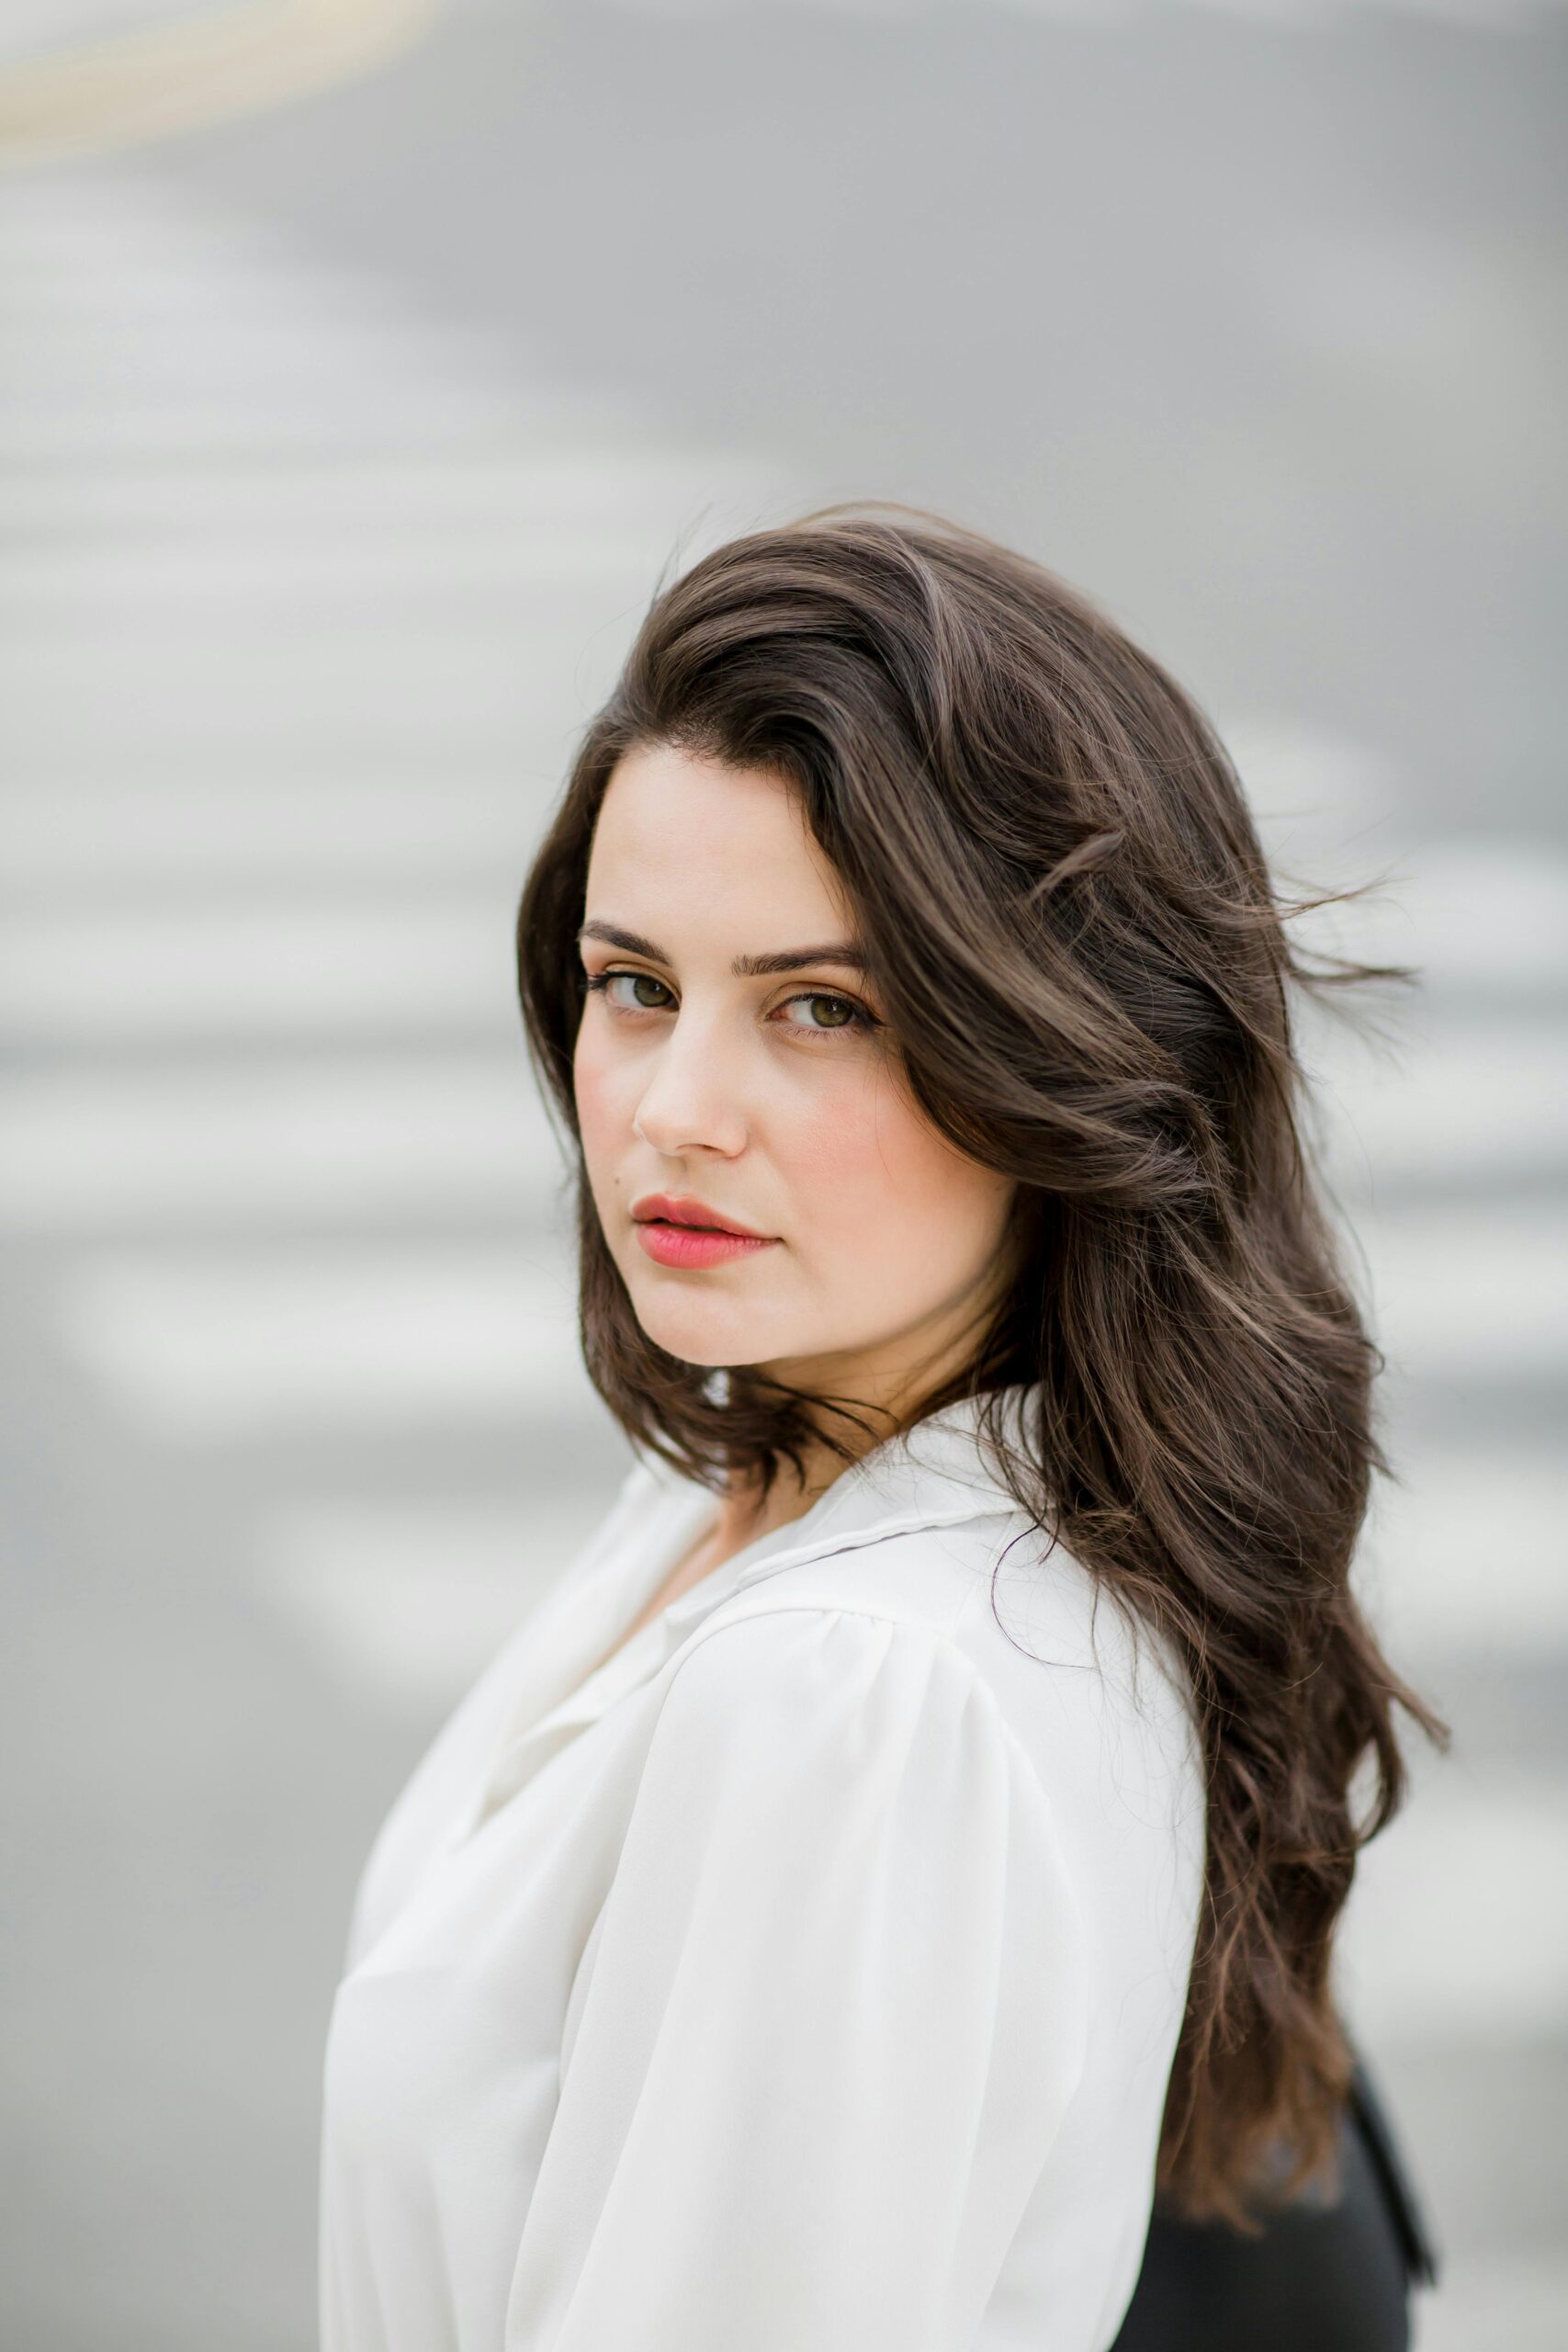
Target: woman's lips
694,1245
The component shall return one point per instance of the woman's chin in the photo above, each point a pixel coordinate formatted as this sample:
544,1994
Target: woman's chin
696,1336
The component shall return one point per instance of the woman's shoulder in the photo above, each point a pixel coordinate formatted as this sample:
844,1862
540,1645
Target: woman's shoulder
985,1610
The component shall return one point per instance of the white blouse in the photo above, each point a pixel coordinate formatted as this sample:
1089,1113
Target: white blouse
806,1979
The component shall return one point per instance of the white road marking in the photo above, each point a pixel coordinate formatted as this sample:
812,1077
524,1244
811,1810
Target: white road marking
60,849
290,968
1457,1925
1469,1294
554,483
1466,1557
1487,912
222,1345
1475,1100
269,1147
448,696
323,574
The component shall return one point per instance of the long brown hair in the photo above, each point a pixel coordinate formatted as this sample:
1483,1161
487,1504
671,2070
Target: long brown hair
1085,966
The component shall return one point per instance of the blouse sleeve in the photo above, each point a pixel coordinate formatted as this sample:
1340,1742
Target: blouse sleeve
829,2020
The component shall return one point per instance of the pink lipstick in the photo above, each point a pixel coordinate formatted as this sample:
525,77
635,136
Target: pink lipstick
677,1229
694,1245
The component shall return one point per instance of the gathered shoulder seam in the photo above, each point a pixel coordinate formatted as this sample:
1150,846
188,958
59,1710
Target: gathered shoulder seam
937,1639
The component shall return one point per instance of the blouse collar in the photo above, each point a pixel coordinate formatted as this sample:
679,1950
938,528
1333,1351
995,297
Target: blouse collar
934,1475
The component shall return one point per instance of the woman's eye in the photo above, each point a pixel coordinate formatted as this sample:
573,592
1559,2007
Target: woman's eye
840,1013
596,981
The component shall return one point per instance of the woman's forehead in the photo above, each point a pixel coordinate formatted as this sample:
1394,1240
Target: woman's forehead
683,839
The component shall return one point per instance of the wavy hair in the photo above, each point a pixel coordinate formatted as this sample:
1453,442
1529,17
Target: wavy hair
1085,962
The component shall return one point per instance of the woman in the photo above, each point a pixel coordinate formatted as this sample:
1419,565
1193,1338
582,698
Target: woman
824,1926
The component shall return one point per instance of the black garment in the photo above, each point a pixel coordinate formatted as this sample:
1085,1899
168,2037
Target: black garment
1320,2278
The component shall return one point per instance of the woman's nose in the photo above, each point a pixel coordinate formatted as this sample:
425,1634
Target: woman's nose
692,1101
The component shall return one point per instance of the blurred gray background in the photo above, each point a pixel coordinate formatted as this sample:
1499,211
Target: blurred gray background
363,363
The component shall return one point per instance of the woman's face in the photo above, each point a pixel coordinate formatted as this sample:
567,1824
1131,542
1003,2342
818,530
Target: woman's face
766,1098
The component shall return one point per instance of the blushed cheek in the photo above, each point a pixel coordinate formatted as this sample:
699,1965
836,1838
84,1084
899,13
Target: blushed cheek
885,1191
854,1152
603,1118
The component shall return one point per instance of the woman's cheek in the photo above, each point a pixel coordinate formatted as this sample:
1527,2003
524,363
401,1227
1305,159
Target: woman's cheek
600,1116
846,1151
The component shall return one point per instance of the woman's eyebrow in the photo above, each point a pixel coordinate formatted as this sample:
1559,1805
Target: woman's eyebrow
745,967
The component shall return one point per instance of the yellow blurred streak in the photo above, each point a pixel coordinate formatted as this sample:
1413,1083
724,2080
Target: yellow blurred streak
177,77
